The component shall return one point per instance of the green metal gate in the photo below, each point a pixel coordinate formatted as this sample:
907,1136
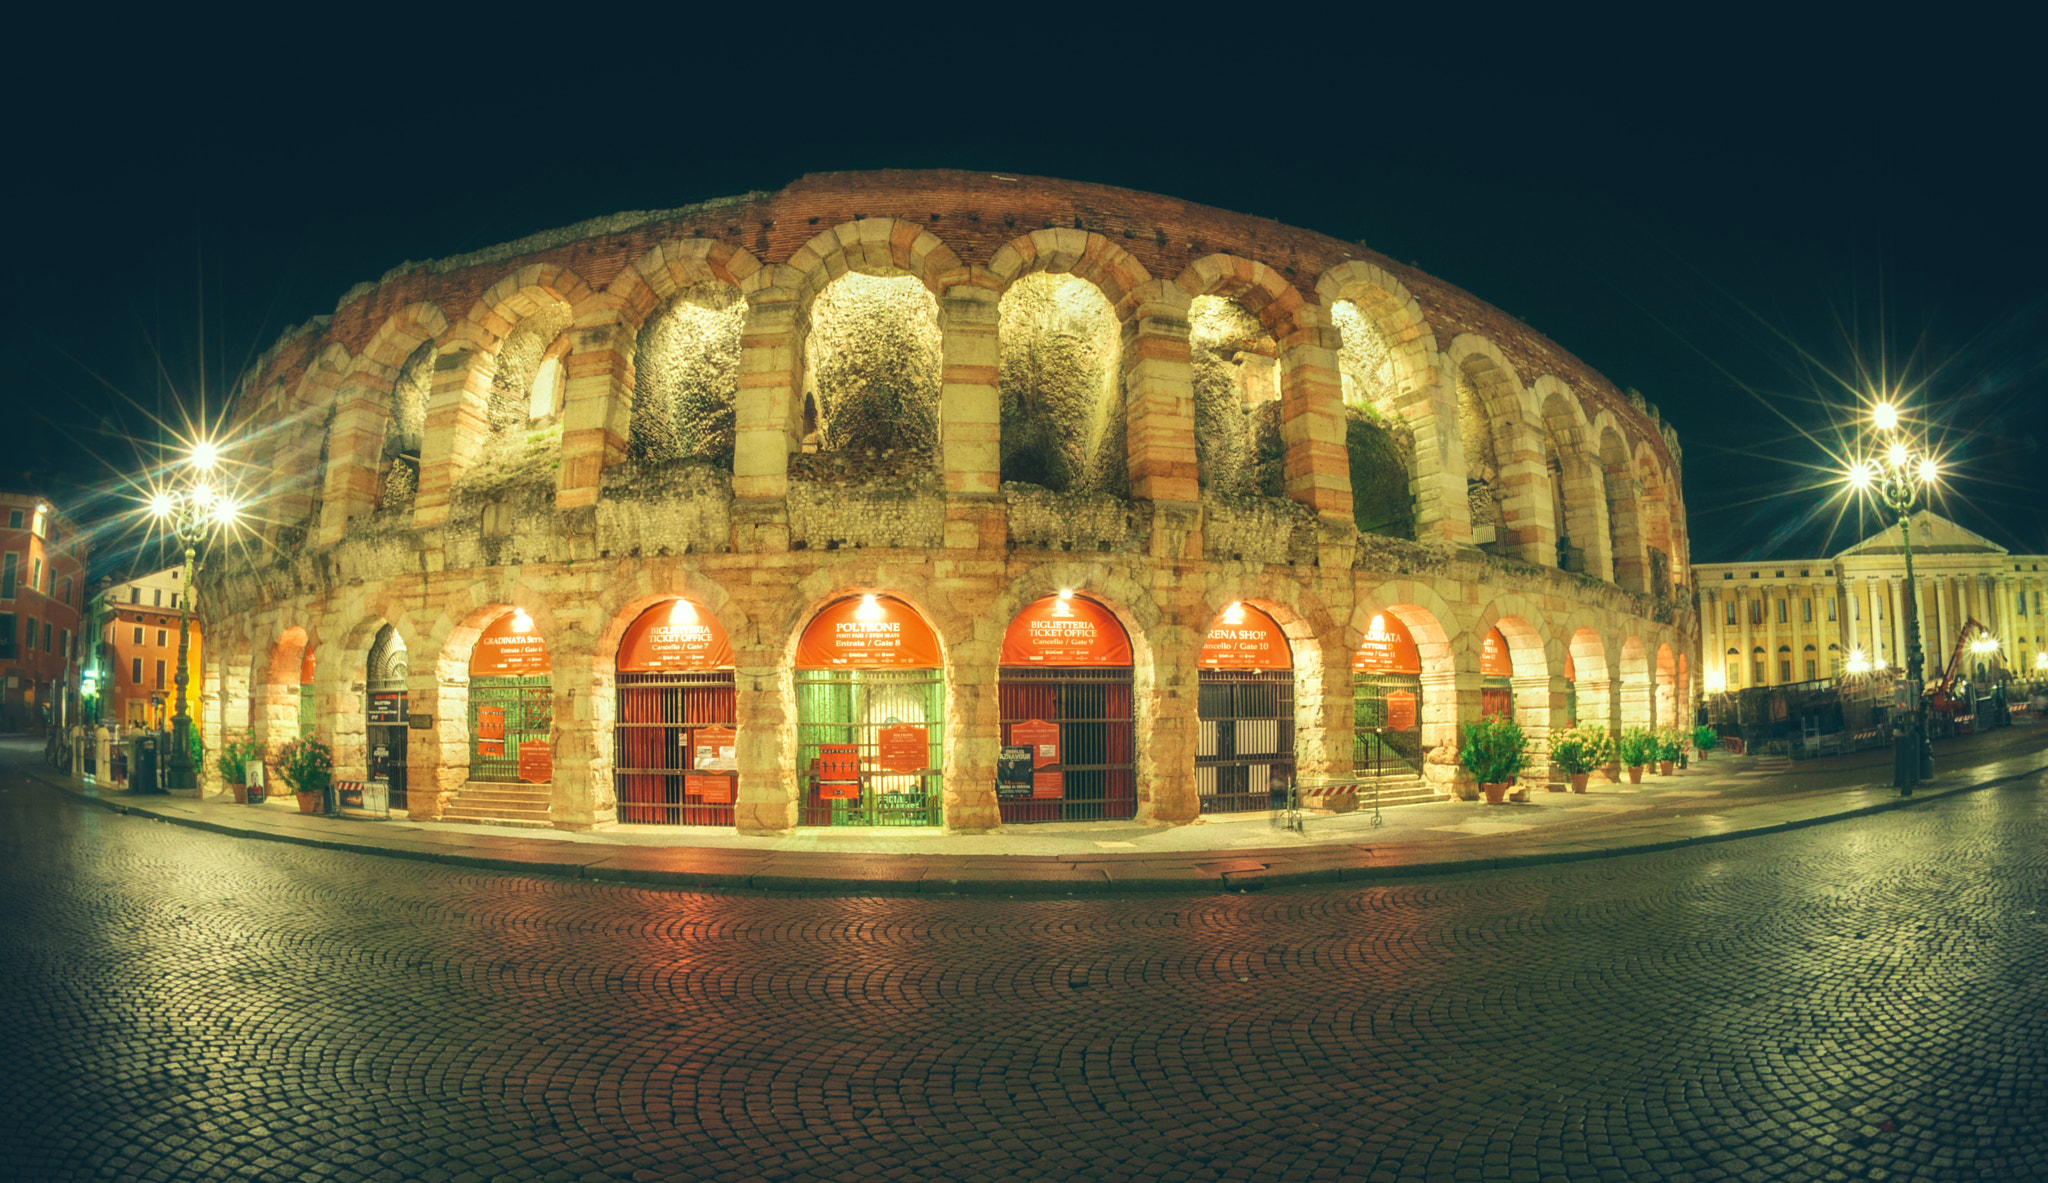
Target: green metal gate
529,710
1376,741
851,707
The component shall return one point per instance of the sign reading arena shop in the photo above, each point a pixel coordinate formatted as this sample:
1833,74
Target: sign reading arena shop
1244,638
868,633
1387,648
677,635
1064,631
510,648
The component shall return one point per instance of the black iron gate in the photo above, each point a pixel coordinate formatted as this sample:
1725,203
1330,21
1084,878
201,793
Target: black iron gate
505,712
1246,752
851,708
1386,723
1092,705
657,763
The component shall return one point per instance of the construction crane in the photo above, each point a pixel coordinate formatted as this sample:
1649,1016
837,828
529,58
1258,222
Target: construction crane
1944,690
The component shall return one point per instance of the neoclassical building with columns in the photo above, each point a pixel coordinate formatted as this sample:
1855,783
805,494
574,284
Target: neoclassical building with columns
932,499
1779,621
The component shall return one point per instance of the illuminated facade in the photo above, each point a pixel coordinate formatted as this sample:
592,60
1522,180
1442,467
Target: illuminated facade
42,594
1795,620
933,499
137,664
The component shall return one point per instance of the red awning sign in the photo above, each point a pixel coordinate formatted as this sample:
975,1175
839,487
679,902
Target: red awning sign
675,635
1244,638
1494,660
1387,648
1066,630
511,647
868,633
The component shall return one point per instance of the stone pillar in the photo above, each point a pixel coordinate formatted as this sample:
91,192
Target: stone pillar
1748,663
458,422
770,789
597,410
1597,708
1159,398
970,419
1167,705
353,446
1323,724
1540,709
583,796
767,416
1631,565
974,732
1312,420
1461,690
208,716
437,756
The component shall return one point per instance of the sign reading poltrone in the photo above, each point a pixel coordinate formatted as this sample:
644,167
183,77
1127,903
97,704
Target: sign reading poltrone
1244,638
1064,630
511,647
868,633
676,635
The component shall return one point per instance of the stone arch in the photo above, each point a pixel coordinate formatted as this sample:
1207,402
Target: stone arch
1592,683
1084,254
1655,516
1637,708
1667,686
303,457
1624,518
276,696
1320,664
671,267
341,685
1430,620
1504,478
1419,413
1578,503
364,408
1060,385
878,247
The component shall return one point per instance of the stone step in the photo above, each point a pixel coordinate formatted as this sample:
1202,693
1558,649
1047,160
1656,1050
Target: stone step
499,803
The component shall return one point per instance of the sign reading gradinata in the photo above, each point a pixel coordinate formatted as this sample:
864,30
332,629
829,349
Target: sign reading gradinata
1387,648
1066,630
1244,638
868,633
675,635
511,647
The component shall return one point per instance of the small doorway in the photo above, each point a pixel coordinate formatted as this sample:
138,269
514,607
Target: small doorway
511,704
385,721
1064,693
871,709
1386,700
674,749
1496,668
1245,703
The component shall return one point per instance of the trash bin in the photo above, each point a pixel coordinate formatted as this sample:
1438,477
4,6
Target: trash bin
142,766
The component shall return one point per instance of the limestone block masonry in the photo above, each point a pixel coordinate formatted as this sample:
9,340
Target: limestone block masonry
764,405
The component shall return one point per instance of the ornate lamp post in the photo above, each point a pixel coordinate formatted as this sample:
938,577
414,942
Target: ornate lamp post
193,511
1902,468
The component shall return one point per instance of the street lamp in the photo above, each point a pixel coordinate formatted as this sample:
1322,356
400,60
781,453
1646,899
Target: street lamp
1895,477
193,511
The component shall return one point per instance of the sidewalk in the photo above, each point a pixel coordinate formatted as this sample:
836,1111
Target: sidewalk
1723,798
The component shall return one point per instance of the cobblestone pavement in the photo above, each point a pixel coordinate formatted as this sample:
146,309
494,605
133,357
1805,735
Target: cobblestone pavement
1860,1000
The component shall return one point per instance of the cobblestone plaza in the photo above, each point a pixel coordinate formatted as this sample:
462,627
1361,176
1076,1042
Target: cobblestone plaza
1858,1000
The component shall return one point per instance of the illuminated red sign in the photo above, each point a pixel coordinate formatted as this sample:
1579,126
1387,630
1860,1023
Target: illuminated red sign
903,748
1244,638
1387,648
1070,630
511,647
1493,655
868,633
676,635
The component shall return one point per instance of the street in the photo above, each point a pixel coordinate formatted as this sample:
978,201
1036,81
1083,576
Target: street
1861,1000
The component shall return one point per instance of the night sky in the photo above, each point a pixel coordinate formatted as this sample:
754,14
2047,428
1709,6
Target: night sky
1741,219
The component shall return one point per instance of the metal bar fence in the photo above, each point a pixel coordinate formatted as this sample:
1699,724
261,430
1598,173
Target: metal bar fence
528,713
850,708
654,750
1098,770
1244,757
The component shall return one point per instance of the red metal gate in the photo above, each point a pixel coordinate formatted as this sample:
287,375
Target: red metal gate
1092,706
656,764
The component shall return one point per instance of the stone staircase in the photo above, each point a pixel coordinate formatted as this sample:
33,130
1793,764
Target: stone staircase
494,803
1399,790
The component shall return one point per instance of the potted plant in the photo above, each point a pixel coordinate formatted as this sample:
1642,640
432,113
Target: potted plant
1668,742
1636,747
233,764
307,766
1494,751
1703,739
1578,752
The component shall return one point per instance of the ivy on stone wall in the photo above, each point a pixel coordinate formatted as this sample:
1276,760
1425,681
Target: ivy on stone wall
1381,502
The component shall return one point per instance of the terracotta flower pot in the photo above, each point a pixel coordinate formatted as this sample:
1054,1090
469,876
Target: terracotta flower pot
1579,781
1635,774
1495,794
241,794
309,802
1663,768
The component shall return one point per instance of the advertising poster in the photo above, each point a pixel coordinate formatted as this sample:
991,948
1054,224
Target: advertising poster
490,731
715,749
710,790
903,748
1043,738
536,761
1013,772
1401,711
838,771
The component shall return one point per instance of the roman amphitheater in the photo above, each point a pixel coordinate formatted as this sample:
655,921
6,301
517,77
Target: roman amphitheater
933,499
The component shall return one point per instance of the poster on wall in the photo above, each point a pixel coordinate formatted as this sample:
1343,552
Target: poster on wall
903,748
536,762
1013,772
387,706
677,635
1387,648
510,648
837,769
490,731
1066,630
709,790
1244,638
1043,738
1401,711
868,633
715,749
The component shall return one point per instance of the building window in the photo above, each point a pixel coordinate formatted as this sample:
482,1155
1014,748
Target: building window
1729,612
159,673
14,519
135,671
49,638
1784,669
1756,611
6,634
1783,611
1805,611
1758,670
162,638
1831,609
30,634
42,524
67,589
67,644
138,634
9,568
35,579
174,599
159,594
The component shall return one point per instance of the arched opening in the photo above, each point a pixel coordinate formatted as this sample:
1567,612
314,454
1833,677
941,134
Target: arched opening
1064,690
1235,363
1496,676
1588,689
523,408
1486,427
1379,441
405,430
1059,346
1624,530
1757,661
1635,684
1387,699
1573,488
686,378
309,698
1732,670
870,712
1811,663
1571,690
1245,704
675,735
1667,686
1656,526
511,705
872,363
385,715
1784,664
